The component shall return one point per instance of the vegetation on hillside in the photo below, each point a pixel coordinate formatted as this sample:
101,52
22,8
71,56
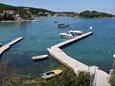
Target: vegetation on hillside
3,65
94,14
67,78
112,78
8,12
5,7
18,8
43,12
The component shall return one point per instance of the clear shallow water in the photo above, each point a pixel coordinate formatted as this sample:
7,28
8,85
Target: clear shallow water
38,36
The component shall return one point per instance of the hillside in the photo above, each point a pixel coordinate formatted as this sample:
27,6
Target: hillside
16,8
5,7
94,14
22,11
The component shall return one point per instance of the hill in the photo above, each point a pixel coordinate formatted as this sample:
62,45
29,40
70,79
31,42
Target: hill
16,8
5,7
20,13
94,14
30,13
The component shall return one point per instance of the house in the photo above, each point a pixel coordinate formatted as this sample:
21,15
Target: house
18,17
11,12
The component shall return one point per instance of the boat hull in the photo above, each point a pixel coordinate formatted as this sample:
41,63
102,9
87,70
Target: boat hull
51,74
41,57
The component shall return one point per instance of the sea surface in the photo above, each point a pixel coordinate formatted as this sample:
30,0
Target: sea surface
97,49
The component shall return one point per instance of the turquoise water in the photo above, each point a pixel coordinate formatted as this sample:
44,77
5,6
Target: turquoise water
38,36
97,49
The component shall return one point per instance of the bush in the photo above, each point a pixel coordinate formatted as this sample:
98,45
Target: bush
67,78
3,65
112,79
94,14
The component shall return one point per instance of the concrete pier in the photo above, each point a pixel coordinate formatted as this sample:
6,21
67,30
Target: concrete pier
8,45
62,44
101,77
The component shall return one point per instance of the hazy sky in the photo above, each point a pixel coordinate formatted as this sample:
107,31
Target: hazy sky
66,5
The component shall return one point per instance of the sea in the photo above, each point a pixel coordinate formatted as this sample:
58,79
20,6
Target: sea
97,49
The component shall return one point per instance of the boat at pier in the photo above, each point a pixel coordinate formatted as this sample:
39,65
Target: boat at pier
71,33
75,32
51,73
66,35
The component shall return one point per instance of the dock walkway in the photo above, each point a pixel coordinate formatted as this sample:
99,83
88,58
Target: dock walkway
73,40
8,45
101,77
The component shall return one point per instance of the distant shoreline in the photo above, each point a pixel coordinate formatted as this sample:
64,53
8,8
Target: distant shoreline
11,13
9,21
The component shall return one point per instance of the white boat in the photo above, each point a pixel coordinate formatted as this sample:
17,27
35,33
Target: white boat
75,32
40,57
66,35
71,33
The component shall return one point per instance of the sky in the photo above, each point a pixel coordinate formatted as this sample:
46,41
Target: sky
66,5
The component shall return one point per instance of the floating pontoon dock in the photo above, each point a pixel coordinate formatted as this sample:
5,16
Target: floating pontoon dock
101,77
8,45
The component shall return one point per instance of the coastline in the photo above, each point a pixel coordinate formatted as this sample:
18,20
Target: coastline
9,21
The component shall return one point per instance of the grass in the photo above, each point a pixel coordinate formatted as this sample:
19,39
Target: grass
112,78
67,78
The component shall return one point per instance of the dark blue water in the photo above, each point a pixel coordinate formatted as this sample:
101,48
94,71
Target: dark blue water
38,36
97,49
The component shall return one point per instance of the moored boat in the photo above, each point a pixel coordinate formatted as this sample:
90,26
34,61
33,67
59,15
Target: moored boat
51,73
62,25
40,57
66,35
75,32
71,33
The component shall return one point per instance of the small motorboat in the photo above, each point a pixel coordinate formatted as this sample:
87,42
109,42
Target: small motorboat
75,32
51,73
71,33
66,35
40,57
62,25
